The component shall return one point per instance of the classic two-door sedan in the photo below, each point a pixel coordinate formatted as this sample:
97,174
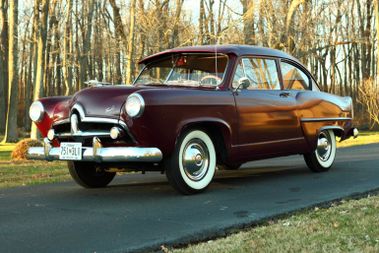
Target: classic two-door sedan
190,111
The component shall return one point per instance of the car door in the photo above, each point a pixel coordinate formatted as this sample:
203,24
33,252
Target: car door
268,123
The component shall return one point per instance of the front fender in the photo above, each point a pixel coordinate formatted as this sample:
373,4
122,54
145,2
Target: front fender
54,108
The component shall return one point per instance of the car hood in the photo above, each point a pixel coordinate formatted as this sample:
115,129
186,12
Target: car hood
104,101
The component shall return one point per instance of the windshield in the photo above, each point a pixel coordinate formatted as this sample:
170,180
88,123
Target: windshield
185,70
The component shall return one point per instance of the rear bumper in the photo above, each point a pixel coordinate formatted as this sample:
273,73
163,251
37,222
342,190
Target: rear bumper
352,132
97,153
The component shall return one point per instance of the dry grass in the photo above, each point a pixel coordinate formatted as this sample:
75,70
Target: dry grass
365,137
352,226
6,150
32,172
20,173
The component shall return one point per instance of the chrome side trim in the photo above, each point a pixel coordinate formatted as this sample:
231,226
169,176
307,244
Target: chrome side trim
94,120
270,142
325,119
84,134
97,153
99,120
60,122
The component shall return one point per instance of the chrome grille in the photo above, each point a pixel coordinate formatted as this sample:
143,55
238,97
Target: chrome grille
87,130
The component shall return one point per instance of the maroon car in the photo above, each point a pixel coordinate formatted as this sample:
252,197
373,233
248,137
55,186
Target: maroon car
190,111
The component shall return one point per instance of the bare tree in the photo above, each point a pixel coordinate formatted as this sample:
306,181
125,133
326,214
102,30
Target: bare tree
3,62
90,4
12,109
69,41
40,65
67,45
248,8
369,98
130,51
376,11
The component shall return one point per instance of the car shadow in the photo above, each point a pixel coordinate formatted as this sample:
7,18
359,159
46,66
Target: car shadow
154,185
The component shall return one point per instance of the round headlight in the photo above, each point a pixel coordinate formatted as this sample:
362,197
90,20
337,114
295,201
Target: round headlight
36,111
134,105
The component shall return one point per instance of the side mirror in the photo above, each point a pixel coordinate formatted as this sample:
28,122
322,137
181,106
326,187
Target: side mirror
243,83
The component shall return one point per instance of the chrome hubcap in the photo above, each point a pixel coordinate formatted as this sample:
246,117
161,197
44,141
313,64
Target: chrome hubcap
195,159
324,146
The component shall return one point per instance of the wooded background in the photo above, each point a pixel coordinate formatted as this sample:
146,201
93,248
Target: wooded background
50,48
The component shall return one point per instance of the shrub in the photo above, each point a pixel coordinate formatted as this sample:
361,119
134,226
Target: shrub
21,148
369,98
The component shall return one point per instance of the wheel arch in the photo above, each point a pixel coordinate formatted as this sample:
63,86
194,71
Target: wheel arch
218,130
338,131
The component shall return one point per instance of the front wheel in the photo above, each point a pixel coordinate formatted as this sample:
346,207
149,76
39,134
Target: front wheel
323,157
89,175
191,167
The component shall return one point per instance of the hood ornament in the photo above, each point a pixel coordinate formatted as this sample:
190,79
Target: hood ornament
109,109
95,83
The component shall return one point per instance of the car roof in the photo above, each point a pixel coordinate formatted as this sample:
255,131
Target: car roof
237,50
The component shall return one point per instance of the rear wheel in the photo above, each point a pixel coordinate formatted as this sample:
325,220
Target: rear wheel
89,175
191,167
323,157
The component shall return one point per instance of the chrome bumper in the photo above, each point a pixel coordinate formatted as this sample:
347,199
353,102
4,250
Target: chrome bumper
97,153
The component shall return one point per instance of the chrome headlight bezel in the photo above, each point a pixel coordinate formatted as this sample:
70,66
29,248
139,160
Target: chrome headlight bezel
36,111
134,105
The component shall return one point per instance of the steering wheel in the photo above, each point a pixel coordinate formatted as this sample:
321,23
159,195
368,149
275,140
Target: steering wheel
214,77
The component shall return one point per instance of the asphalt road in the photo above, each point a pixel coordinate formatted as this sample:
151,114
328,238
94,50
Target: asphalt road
142,212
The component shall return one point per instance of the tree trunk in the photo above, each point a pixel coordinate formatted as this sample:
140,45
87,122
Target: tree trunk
29,82
376,11
86,44
211,18
66,56
129,59
121,38
292,9
11,121
175,31
41,46
201,22
3,62
248,22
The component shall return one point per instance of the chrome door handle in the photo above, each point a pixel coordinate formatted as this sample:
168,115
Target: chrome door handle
284,94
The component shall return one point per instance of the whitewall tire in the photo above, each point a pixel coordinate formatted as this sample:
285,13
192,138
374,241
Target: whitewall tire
323,157
192,165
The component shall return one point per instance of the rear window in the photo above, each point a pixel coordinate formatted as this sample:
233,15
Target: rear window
293,77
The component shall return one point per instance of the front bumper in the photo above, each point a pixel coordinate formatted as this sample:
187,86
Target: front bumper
97,153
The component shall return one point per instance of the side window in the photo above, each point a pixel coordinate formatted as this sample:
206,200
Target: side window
262,73
314,85
238,74
293,77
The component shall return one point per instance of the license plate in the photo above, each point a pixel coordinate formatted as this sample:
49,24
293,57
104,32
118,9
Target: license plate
70,151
